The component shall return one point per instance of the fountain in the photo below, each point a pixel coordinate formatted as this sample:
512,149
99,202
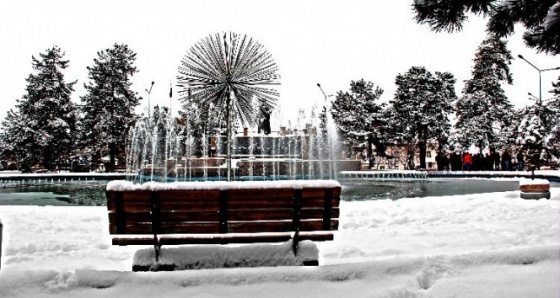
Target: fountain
165,149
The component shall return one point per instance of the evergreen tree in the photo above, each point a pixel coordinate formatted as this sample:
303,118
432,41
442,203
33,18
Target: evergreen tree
43,128
397,133
422,105
323,118
17,141
358,114
537,124
553,106
484,113
200,124
540,17
108,106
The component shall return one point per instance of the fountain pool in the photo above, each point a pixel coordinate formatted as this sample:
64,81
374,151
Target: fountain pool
92,193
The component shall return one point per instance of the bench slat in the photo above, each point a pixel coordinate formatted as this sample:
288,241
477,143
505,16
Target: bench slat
268,194
166,216
171,194
170,228
130,206
189,195
277,226
208,204
223,238
320,192
259,203
203,206
233,215
177,205
241,238
305,202
136,240
220,238
213,227
278,213
308,202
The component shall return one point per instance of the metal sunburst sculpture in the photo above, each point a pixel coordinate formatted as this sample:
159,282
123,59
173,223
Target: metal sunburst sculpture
228,72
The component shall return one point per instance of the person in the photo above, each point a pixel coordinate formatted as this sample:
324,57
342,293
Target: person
476,162
487,162
520,160
440,160
455,160
506,161
467,161
264,124
496,158
372,160
446,166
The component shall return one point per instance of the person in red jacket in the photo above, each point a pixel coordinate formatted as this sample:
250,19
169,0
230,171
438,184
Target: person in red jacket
467,161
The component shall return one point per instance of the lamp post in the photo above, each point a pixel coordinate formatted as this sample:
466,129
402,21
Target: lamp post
149,92
540,73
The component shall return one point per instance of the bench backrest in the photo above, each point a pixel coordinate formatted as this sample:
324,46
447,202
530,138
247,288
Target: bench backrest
223,211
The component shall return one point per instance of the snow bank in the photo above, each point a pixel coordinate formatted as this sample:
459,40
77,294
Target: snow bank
122,185
476,245
508,273
218,256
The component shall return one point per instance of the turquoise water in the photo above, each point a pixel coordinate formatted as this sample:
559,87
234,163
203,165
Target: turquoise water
56,194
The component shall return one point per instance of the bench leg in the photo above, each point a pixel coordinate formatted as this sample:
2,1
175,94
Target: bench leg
311,263
157,248
295,242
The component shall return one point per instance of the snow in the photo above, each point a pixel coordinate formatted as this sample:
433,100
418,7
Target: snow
122,185
220,256
478,245
525,181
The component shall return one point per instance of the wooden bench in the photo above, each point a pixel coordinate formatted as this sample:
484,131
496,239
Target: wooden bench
222,212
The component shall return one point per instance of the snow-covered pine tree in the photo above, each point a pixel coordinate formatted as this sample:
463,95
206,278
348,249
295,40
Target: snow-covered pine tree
42,130
109,103
484,113
537,124
17,141
358,113
541,18
422,105
553,106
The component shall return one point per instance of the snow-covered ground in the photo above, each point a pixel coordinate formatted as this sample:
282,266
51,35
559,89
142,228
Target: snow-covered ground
479,245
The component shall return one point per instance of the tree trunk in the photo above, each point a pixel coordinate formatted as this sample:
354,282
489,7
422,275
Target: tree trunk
410,159
422,145
370,151
112,154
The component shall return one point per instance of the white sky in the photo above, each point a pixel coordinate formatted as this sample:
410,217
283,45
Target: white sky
327,42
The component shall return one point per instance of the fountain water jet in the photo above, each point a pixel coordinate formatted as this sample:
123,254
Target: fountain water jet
170,144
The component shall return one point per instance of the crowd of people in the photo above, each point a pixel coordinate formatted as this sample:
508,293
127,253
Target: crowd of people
492,161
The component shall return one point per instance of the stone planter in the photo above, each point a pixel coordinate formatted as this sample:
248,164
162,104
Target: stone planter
534,189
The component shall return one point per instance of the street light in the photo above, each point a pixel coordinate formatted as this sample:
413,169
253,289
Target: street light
533,96
319,85
540,72
149,92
